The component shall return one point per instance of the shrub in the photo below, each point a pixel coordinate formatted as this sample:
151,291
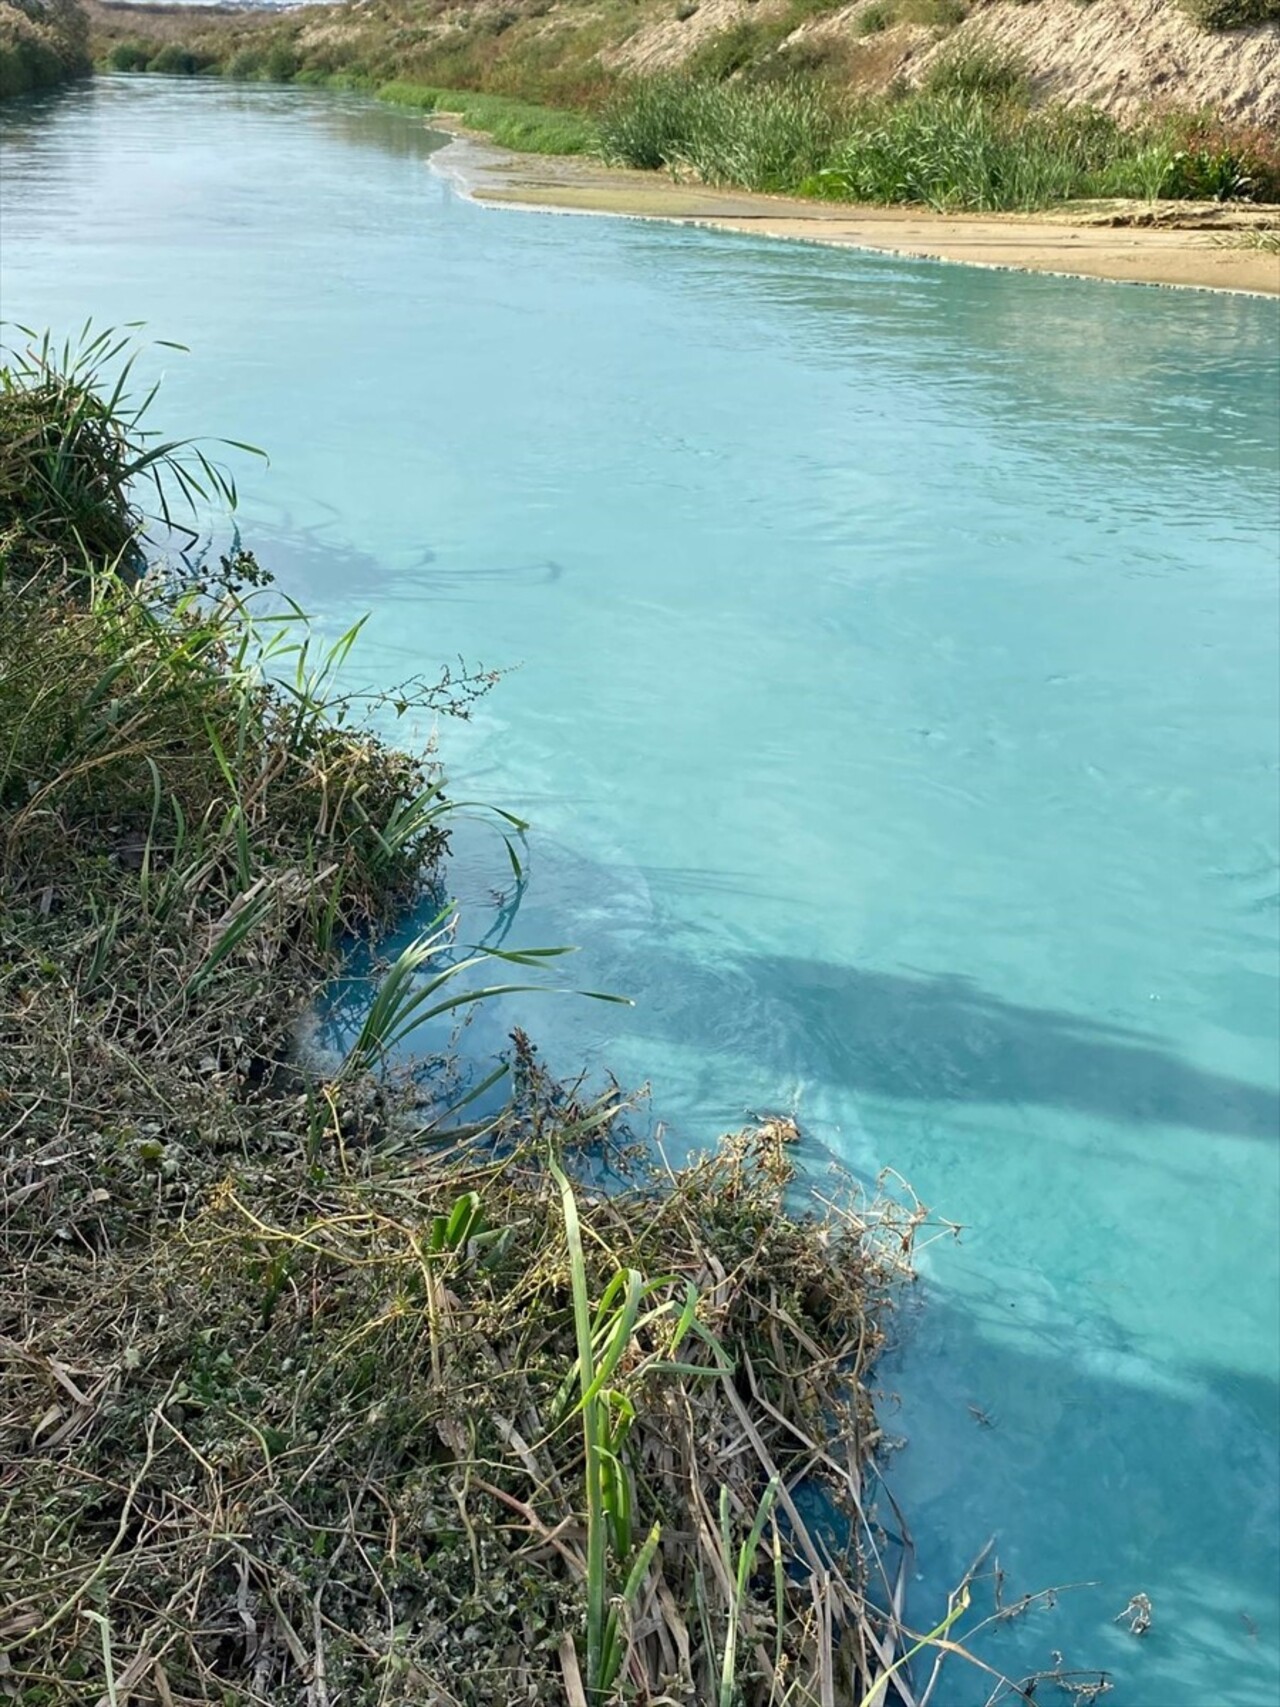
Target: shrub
967,139
767,136
1211,161
937,14
875,18
281,63
244,65
646,124
130,56
730,51
175,61
1232,14
42,42
965,151
980,71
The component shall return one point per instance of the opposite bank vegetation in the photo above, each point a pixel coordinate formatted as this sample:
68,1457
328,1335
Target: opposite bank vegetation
316,1387
42,43
754,106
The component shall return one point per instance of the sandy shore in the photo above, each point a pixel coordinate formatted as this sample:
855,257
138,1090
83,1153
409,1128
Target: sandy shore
1173,243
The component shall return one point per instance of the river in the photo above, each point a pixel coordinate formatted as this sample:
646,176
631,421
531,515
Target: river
894,691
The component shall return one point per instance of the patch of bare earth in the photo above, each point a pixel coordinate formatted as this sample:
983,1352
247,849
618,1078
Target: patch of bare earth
665,42
1120,55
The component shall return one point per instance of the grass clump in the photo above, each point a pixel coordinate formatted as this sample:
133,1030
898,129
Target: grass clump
1225,15
514,124
980,71
77,454
319,1391
761,136
963,150
876,18
1266,242
42,43
968,139
175,61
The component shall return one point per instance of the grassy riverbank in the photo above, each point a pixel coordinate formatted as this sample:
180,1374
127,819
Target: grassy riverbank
42,43
970,138
520,125
752,107
315,1388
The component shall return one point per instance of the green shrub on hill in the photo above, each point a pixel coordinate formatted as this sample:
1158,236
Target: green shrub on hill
175,61
130,56
42,43
1232,14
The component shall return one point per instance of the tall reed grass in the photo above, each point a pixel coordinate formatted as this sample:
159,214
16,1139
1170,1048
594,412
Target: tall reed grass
760,136
968,140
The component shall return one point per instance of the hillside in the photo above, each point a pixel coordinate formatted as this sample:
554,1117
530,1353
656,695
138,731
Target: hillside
1121,56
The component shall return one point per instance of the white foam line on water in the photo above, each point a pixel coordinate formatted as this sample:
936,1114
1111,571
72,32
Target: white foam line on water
465,174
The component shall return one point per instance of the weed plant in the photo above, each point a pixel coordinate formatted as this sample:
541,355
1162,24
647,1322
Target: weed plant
513,124
967,140
1225,15
760,136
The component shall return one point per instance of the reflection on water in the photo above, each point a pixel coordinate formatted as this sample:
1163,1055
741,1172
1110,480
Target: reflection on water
897,710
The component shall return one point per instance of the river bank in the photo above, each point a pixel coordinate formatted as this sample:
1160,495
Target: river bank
317,1389
1205,246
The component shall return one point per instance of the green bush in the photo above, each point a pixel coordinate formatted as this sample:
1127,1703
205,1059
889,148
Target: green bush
130,56
768,136
956,150
936,14
647,124
42,42
967,140
731,51
875,18
244,65
1232,14
175,61
27,64
281,63
979,71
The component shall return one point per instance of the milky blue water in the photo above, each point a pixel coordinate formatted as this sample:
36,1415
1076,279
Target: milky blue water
897,710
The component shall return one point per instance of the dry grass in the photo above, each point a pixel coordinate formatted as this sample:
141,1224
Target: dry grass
281,1443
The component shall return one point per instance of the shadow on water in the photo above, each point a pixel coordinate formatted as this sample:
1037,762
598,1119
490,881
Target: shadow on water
942,1038
1107,1465
1202,1555
318,564
937,1038
1108,1460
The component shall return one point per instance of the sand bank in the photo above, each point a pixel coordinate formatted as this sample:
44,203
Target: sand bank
1170,243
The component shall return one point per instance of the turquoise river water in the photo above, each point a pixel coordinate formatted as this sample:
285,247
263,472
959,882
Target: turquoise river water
897,711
